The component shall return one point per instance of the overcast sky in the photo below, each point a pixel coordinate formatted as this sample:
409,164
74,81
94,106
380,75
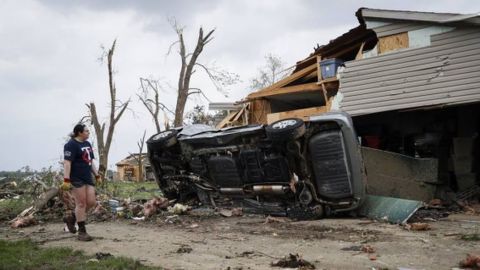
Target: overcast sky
49,54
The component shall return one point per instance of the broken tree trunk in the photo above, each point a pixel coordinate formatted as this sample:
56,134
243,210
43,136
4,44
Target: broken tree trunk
45,197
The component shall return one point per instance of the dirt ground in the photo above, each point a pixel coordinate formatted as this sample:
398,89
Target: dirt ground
248,242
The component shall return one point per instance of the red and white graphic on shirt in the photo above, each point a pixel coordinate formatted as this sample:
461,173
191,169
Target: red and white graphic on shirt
87,154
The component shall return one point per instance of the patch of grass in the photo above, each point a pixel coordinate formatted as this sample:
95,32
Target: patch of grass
134,190
25,254
470,237
10,208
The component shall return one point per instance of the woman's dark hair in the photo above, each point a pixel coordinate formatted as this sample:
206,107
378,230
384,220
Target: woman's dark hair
79,128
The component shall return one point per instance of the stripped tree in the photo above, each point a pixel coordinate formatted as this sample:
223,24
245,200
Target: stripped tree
117,108
220,78
139,157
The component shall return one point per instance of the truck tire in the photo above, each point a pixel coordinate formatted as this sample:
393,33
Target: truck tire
286,129
163,139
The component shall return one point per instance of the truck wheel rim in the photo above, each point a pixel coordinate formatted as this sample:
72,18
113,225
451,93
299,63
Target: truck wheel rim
284,124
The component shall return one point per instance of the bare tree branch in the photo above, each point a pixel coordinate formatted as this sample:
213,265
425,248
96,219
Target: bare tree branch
198,91
220,78
273,71
123,108
84,118
170,47
154,106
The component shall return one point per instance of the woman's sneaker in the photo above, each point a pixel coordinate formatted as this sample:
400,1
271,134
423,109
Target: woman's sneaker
70,221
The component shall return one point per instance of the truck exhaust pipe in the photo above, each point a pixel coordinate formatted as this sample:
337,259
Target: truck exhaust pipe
270,189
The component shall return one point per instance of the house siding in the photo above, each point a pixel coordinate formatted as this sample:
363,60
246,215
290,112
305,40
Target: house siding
445,73
395,28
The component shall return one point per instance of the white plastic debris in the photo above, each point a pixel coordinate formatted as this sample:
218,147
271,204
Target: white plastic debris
178,209
113,203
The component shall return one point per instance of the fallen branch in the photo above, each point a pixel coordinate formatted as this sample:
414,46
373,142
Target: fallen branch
20,222
45,197
26,217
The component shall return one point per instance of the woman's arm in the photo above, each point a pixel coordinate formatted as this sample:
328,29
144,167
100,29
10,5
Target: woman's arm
94,169
67,166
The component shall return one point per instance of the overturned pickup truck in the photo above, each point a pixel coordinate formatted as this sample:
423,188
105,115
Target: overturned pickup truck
288,167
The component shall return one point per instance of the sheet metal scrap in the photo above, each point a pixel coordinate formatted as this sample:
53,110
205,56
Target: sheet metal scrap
393,210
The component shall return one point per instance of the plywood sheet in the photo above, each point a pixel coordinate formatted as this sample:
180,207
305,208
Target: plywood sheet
259,109
393,42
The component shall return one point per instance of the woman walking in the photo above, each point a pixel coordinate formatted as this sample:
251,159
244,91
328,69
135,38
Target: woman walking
78,171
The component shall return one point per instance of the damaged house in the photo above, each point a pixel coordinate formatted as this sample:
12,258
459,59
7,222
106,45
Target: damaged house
128,169
411,82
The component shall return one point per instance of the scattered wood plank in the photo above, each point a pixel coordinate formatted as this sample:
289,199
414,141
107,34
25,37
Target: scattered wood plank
319,70
360,52
295,76
238,115
226,120
307,87
346,50
303,114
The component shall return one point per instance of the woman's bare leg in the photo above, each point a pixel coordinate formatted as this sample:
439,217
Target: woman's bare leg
91,198
80,196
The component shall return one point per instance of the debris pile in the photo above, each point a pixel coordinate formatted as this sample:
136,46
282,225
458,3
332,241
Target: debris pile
471,207
47,202
418,226
9,190
234,212
368,249
271,219
184,249
293,261
153,206
102,255
100,212
471,262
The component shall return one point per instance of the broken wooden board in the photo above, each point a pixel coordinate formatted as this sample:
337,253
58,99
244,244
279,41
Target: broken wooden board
295,76
393,210
306,87
226,120
303,114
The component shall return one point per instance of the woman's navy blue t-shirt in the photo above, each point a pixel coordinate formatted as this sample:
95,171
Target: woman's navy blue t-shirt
81,156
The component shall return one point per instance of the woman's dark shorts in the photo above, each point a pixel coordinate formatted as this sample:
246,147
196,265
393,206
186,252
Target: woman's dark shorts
79,183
